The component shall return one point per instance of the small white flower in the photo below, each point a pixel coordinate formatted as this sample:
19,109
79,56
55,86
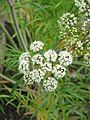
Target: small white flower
37,59
23,66
59,71
65,58
25,56
28,78
36,46
46,67
79,44
50,55
50,84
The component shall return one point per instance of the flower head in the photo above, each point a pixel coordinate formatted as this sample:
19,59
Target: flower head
28,78
65,58
36,46
37,59
50,55
59,71
25,56
23,67
37,75
46,67
50,84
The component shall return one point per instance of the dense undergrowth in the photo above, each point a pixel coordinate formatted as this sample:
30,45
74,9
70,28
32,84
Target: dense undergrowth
21,23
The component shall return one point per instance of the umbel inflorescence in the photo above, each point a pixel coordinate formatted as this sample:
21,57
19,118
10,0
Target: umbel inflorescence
46,68
74,31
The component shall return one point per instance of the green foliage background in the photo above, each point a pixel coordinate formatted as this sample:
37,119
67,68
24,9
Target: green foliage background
38,18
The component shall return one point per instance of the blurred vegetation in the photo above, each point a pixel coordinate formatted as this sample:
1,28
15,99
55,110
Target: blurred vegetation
37,19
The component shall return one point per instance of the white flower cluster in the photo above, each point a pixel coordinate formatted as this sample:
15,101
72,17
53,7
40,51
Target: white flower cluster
28,78
50,55
37,59
65,58
68,20
24,62
36,46
74,33
23,66
35,75
59,71
25,57
44,66
84,6
50,84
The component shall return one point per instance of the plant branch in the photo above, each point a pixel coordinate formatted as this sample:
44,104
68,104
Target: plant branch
14,82
6,78
19,41
7,34
16,23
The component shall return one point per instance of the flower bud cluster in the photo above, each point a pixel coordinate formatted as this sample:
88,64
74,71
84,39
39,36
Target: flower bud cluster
86,27
68,20
84,6
74,33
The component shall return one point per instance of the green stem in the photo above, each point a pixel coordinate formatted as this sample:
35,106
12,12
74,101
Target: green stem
12,81
7,34
25,38
16,24
71,7
28,34
19,41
